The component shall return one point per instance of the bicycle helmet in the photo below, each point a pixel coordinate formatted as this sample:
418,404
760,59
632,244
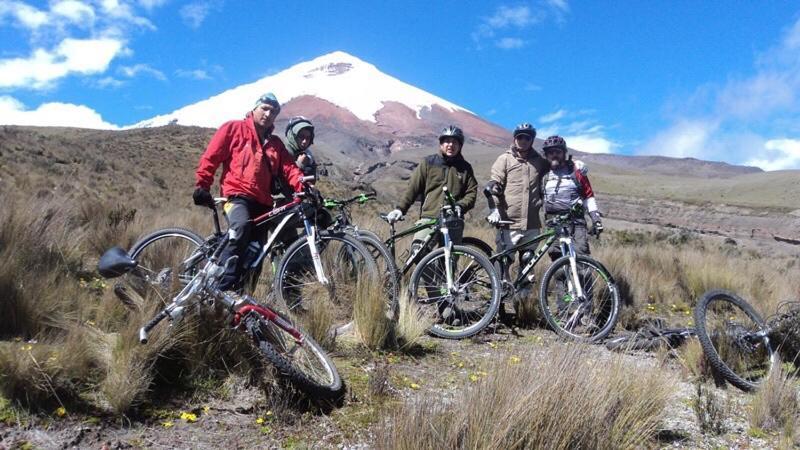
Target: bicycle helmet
525,128
555,142
454,132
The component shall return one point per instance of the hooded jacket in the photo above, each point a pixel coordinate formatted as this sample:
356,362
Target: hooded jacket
521,179
431,175
247,166
309,167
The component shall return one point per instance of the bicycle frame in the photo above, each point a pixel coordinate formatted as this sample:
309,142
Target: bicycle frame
395,236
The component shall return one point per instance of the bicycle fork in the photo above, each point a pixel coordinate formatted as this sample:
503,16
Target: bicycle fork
573,282
311,238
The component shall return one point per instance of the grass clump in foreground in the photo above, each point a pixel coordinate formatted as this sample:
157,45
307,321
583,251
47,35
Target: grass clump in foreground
775,407
555,400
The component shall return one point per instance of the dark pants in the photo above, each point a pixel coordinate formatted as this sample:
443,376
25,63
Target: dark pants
239,211
580,240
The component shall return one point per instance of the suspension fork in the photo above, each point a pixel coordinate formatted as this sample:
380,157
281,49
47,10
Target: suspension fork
311,238
448,257
567,248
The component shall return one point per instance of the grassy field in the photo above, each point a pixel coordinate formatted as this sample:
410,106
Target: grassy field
69,358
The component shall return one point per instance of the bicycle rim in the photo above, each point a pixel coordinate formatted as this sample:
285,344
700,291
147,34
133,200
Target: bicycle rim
728,329
471,305
585,308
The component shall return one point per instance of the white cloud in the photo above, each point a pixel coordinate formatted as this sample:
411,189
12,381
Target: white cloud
561,5
108,82
194,14
553,116
152,4
138,69
504,16
196,74
590,144
75,11
509,43
780,154
685,138
532,87
71,56
12,112
26,15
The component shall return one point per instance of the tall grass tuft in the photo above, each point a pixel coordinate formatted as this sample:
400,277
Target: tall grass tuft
412,324
373,326
555,400
775,406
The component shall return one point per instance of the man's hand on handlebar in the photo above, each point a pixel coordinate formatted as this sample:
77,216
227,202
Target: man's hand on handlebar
494,218
202,197
394,216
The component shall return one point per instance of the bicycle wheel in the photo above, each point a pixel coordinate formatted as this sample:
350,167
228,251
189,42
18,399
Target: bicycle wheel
390,276
297,284
734,339
301,360
167,260
470,305
486,249
583,309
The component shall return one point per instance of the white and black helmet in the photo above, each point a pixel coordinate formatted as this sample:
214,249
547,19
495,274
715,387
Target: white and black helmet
454,132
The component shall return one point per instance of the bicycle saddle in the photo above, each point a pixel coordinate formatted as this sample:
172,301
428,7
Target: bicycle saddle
115,262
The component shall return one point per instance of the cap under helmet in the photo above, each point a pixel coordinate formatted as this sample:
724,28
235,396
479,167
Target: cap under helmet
525,128
297,120
454,132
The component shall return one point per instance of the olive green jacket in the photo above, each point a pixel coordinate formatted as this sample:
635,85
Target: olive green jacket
431,175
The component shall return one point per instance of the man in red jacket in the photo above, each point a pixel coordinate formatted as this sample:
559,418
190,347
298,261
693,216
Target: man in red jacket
251,156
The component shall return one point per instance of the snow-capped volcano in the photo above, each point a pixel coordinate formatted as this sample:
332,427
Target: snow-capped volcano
342,93
338,77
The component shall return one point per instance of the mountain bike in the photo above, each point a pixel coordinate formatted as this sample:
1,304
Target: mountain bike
455,285
740,346
309,270
295,354
579,298
343,222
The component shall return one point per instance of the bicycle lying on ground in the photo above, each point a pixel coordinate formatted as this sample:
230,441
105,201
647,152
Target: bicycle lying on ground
578,298
291,350
309,270
740,346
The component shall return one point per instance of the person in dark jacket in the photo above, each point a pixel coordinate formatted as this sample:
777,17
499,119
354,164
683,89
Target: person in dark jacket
299,137
446,168
251,157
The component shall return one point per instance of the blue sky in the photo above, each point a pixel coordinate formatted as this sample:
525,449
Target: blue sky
713,80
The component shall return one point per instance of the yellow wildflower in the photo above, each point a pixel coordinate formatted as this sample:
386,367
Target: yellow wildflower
269,413
260,420
474,377
189,417
493,344
414,386
514,360
206,409
167,424
61,411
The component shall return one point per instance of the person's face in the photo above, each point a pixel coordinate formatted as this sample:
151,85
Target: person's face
304,138
264,115
523,142
555,156
449,146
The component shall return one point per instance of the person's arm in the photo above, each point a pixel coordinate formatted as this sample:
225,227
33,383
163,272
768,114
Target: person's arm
467,202
291,173
416,186
217,152
586,193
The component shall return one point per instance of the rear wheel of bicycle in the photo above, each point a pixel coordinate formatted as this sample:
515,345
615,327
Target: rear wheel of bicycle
167,260
304,294
301,360
390,276
473,301
734,339
478,244
583,309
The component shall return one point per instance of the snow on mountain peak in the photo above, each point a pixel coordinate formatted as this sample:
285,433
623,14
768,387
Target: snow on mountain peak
337,77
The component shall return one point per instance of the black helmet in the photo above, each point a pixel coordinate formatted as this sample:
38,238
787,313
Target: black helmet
296,120
555,142
525,128
454,132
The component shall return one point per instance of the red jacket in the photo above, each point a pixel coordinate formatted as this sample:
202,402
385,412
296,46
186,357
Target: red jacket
247,170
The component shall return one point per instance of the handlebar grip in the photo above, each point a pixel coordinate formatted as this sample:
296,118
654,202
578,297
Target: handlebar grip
308,178
150,325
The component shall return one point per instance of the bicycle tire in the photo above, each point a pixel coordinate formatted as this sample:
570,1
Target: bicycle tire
471,241
390,273
296,267
426,268
152,265
272,341
701,316
611,311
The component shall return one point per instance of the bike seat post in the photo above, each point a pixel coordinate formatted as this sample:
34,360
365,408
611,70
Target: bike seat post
217,229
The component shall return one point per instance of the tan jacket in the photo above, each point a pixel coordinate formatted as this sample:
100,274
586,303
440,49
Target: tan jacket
521,179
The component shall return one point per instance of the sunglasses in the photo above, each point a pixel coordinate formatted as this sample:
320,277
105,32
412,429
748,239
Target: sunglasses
523,137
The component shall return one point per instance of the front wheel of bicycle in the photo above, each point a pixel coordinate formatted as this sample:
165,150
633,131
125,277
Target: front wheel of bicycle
583,305
472,302
167,260
734,339
300,359
298,286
